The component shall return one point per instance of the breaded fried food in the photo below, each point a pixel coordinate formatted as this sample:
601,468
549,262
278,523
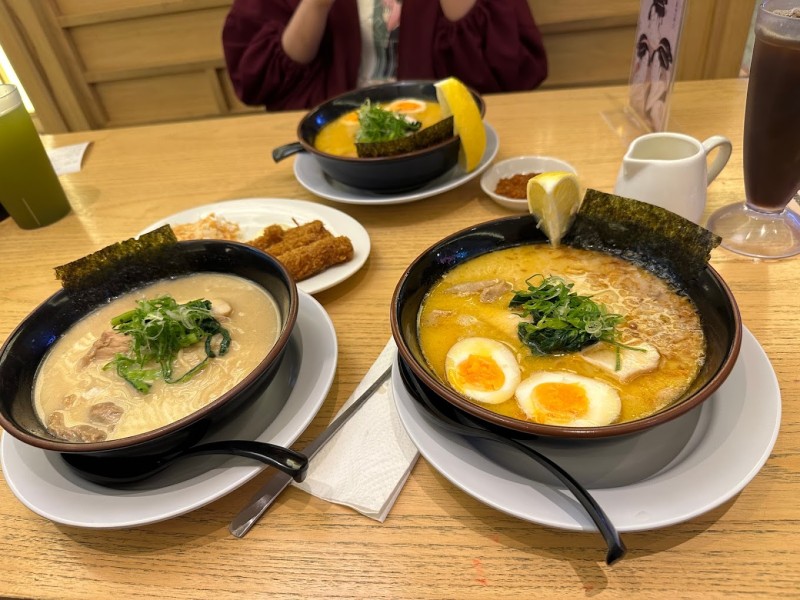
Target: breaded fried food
275,234
271,235
294,242
210,227
306,261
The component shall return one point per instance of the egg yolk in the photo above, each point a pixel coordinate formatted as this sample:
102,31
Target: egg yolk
480,373
561,402
401,106
351,118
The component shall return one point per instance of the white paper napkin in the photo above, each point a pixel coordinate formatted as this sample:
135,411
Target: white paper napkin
67,159
365,464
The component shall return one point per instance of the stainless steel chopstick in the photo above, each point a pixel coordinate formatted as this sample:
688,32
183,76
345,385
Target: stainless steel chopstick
250,514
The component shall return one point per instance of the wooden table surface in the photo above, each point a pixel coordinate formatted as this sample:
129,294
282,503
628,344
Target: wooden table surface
438,542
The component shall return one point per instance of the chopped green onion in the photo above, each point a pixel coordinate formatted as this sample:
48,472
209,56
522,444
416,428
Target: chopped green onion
379,125
159,329
562,320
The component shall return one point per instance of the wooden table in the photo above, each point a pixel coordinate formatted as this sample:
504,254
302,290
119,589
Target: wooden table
438,542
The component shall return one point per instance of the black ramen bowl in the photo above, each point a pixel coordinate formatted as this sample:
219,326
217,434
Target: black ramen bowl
391,174
718,311
27,345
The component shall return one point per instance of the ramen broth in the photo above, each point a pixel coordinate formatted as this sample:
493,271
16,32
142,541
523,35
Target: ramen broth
74,391
654,314
338,137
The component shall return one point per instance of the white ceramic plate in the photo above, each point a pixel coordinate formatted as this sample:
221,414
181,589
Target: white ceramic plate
45,484
254,214
311,177
667,475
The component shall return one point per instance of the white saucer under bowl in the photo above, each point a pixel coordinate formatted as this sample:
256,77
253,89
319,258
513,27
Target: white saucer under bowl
310,176
43,482
666,475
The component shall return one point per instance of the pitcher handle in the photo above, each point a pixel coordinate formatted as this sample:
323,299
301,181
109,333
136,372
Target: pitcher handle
724,154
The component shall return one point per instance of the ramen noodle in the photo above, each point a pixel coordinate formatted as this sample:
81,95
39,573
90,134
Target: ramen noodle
78,398
469,308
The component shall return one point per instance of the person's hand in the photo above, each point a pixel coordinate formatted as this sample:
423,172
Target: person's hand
304,31
456,9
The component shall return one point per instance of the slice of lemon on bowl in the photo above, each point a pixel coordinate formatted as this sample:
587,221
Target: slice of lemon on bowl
554,198
456,99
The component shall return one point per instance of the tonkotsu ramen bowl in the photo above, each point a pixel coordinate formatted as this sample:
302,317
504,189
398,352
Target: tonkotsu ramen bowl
25,348
717,308
389,174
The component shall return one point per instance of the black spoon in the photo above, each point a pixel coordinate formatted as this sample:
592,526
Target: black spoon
115,470
462,425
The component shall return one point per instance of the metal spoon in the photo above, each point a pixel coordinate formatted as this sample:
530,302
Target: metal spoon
461,425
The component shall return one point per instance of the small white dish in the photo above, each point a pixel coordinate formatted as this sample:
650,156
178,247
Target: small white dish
310,176
43,482
519,164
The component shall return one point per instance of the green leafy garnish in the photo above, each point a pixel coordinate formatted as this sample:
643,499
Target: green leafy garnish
379,125
562,320
159,329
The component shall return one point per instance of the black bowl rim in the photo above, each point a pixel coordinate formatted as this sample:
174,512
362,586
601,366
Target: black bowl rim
554,431
134,440
378,160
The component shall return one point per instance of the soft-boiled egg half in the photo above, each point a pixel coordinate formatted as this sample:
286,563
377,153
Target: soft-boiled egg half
568,400
406,106
351,119
482,369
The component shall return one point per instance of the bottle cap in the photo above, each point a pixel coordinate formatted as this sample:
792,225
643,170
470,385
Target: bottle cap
9,98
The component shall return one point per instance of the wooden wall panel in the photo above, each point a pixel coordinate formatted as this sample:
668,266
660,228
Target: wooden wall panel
175,39
106,63
713,38
597,57
91,6
571,15
158,99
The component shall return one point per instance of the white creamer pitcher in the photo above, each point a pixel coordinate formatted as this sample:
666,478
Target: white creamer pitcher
671,170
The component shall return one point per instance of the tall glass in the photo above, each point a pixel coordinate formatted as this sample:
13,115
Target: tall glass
29,188
763,226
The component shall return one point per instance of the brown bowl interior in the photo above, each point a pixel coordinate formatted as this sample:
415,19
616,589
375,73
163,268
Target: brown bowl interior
718,311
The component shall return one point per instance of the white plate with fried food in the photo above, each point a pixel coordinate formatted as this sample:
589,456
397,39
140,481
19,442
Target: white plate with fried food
306,237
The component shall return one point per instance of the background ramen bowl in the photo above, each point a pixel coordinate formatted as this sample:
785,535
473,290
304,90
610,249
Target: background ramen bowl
22,353
391,174
512,166
718,312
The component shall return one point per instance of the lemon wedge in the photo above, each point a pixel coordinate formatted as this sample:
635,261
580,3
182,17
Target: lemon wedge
456,100
553,198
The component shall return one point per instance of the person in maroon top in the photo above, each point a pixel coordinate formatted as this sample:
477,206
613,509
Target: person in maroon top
295,54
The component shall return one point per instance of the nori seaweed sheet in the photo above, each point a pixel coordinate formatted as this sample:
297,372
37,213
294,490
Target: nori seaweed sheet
424,138
658,239
120,266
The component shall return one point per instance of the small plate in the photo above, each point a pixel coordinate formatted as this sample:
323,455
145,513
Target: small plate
519,164
45,484
663,476
254,214
311,177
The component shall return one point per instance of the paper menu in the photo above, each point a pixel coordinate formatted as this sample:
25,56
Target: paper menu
654,60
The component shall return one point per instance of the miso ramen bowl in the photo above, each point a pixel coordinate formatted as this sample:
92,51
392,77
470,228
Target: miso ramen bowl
715,304
390,174
22,353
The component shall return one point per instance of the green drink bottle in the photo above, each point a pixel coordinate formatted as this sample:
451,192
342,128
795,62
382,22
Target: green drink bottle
29,188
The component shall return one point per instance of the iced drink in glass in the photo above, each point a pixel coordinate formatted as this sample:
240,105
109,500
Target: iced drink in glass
763,226
29,188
